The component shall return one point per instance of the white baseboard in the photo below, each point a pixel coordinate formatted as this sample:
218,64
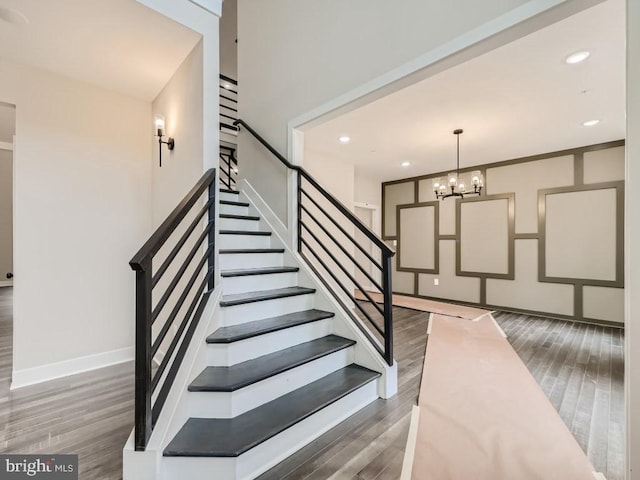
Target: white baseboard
43,373
6,283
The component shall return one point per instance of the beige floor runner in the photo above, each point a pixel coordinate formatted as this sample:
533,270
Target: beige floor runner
482,416
428,305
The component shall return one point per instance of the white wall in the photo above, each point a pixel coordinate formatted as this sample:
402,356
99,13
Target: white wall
228,35
632,240
82,209
180,101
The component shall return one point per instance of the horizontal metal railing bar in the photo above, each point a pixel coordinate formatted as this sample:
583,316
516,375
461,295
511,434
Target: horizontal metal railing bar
358,321
228,79
227,147
230,127
349,214
334,201
341,247
183,268
228,160
175,366
344,289
228,89
222,105
341,228
344,270
227,116
183,239
172,317
164,231
229,98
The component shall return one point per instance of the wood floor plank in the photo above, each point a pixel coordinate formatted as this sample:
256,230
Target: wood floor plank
580,367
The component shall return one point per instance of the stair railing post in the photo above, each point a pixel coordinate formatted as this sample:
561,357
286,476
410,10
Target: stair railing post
388,308
299,205
212,232
143,424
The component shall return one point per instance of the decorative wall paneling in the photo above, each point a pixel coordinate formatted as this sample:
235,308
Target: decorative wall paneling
545,237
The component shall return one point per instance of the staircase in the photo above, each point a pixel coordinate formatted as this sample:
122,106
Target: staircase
276,376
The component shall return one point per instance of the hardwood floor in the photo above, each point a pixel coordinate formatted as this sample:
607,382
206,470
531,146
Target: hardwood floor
579,367
89,414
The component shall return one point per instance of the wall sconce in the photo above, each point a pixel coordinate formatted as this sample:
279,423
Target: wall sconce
170,143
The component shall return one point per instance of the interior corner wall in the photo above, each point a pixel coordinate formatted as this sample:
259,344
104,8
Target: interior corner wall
228,36
82,209
297,55
181,103
632,241
526,246
6,213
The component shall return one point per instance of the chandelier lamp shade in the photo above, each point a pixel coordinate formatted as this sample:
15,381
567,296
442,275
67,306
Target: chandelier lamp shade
454,185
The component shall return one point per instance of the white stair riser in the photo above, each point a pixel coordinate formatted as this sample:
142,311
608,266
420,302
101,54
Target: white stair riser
250,260
234,197
249,312
231,404
264,456
244,241
254,283
233,209
239,224
225,354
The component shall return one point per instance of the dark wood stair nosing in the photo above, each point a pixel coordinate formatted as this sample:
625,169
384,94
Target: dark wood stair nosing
234,203
256,328
234,216
309,400
320,348
265,295
226,190
242,251
257,233
257,271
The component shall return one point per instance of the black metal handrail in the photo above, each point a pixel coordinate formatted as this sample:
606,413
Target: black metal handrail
324,244
153,382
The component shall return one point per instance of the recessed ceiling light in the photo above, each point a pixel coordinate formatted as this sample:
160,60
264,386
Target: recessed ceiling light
405,164
344,139
591,123
577,57
227,86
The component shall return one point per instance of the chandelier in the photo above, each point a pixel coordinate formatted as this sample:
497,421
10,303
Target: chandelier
455,185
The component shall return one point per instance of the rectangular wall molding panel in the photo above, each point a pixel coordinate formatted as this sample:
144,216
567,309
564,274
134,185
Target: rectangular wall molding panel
545,237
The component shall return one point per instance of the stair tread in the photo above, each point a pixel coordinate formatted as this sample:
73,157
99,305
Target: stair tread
260,327
244,232
226,190
262,295
235,204
257,271
239,217
230,437
251,250
229,379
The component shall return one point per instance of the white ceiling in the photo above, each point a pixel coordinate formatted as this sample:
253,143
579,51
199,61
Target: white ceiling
518,100
116,44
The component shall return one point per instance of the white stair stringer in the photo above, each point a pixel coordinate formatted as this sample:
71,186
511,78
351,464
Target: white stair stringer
232,404
271,452
343,324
